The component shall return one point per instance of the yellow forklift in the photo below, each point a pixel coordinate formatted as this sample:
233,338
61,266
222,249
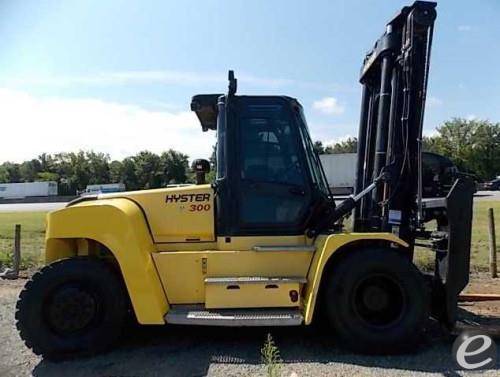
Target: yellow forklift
265,244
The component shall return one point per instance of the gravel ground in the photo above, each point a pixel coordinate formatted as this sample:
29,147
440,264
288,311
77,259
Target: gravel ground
191,351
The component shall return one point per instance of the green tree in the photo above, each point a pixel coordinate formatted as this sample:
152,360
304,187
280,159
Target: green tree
12,172
4,174
47,162
318,147
98,164
213,158
47,176
486,151
148,170
116,171
73,171
29,170
175,167
128,174
211,176
430,144
349,145
473,145
61,165
80,174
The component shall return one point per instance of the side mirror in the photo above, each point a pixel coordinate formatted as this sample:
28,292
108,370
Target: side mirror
200,167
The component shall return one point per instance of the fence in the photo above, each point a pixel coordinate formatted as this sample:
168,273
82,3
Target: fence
20,249
492,243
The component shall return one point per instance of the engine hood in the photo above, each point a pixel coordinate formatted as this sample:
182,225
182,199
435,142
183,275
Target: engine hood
173,214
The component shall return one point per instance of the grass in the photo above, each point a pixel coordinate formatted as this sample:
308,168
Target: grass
480,240
32,237
33,224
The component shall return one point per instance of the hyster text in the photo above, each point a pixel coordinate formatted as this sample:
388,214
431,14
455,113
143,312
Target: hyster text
187,198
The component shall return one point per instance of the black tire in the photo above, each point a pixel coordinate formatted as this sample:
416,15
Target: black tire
377,302
73,306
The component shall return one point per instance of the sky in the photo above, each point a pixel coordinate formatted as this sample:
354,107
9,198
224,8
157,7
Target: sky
117,77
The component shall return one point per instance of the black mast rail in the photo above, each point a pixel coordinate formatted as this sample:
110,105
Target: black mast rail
394,78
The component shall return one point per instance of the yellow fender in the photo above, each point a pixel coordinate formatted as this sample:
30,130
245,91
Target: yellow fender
119,225
326,246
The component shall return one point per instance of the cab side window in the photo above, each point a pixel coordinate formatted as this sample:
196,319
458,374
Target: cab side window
268,152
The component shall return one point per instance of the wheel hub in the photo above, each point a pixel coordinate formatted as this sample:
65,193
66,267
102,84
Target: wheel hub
70,309
375,298
379,300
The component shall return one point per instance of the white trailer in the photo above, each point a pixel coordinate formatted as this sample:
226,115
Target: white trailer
103,188
340,170
27,189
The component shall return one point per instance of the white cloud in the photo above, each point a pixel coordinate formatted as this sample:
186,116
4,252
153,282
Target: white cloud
332,132
471,117
32,125
434,101
122,78
328,105
464,28
339,139
166,77
430,132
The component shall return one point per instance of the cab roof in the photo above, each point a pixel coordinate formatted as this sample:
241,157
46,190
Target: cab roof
205,107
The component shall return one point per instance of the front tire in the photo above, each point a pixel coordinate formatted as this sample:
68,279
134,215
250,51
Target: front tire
377,302
72,306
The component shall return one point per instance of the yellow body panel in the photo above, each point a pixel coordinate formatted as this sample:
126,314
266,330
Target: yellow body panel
248,242
325,247
177,214
250,295
165,251
119,225
235,243
183,273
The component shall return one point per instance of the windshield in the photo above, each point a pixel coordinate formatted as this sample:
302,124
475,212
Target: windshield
317,173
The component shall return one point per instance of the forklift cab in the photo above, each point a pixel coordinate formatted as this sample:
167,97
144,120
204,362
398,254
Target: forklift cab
269,180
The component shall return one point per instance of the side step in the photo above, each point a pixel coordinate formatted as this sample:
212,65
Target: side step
253,292
198,315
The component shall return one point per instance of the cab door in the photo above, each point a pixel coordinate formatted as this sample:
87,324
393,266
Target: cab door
273,186
264,262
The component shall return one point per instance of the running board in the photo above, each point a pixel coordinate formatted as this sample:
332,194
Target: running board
255,280
198,315
298,248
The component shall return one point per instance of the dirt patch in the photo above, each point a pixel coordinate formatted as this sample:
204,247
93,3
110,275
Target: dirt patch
9,287
483,283
15,358
199,351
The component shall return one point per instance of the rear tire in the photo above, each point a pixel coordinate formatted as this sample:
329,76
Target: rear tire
377,302
72,306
